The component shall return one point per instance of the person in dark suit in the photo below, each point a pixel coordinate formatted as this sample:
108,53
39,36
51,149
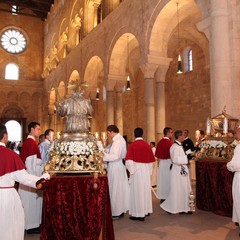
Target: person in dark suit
187,144
201,136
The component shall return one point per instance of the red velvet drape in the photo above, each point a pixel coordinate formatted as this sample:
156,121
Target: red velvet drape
74,210
214,187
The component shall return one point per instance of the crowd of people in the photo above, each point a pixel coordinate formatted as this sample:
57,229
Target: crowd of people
16,215
174,188
132,173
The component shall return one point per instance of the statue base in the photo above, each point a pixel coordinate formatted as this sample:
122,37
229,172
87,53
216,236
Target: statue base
76,153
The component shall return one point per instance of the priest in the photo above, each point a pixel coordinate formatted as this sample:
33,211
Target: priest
32,199
11,210
139,162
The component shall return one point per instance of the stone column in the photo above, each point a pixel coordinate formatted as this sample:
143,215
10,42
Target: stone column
96,4
110,101
160,98
119,82
148,70
119,110
218,33
235,59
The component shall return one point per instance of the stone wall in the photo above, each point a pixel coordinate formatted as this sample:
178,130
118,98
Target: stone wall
23,98
188,98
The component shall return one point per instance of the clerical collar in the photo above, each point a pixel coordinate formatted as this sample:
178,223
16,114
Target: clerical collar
139,138
30,136
178,143
166,138
2,144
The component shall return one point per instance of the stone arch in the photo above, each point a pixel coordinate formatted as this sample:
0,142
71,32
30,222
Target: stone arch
74,76
25,97
162,27
61,90
52,101
93,75
122,61
62,39
53,55
12,96
74,26
12,111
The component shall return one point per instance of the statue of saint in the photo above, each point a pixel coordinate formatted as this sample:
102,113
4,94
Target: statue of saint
76,109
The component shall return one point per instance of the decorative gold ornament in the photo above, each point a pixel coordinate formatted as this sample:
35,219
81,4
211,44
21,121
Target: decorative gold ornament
77,150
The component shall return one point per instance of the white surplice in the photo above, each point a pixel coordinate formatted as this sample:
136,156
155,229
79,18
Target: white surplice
11,208
234,166
180,186
140,188
117,176
163,178
31,198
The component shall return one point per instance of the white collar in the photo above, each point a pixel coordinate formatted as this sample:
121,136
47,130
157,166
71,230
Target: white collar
166,138
32,137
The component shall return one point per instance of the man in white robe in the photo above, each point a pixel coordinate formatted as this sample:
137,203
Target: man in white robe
32,199
139,162
234,166
117,174
11,210
180,186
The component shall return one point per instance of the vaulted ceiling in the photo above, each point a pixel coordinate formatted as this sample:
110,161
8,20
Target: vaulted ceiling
32,8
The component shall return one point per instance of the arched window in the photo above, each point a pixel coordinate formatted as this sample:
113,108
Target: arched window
188,59
12,72
14,130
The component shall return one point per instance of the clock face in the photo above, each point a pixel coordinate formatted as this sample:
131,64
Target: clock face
13,41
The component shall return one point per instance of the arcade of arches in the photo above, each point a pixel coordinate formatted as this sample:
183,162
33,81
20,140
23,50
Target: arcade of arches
103,41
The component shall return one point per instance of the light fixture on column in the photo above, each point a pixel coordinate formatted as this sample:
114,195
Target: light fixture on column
97,93
128,77
179,68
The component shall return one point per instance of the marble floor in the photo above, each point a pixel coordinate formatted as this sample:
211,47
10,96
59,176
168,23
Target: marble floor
199,226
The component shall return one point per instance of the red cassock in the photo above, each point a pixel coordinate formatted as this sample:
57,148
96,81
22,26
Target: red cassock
163,148
9,161
140,151
29,148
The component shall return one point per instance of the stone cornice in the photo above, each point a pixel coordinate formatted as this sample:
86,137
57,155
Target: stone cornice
22,83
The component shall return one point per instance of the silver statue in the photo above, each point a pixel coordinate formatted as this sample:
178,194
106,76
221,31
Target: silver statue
76,109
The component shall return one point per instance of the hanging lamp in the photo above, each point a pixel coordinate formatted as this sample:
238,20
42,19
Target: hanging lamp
179,67
128,88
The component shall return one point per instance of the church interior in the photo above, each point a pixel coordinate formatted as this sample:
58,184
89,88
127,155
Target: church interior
102,43
142,63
